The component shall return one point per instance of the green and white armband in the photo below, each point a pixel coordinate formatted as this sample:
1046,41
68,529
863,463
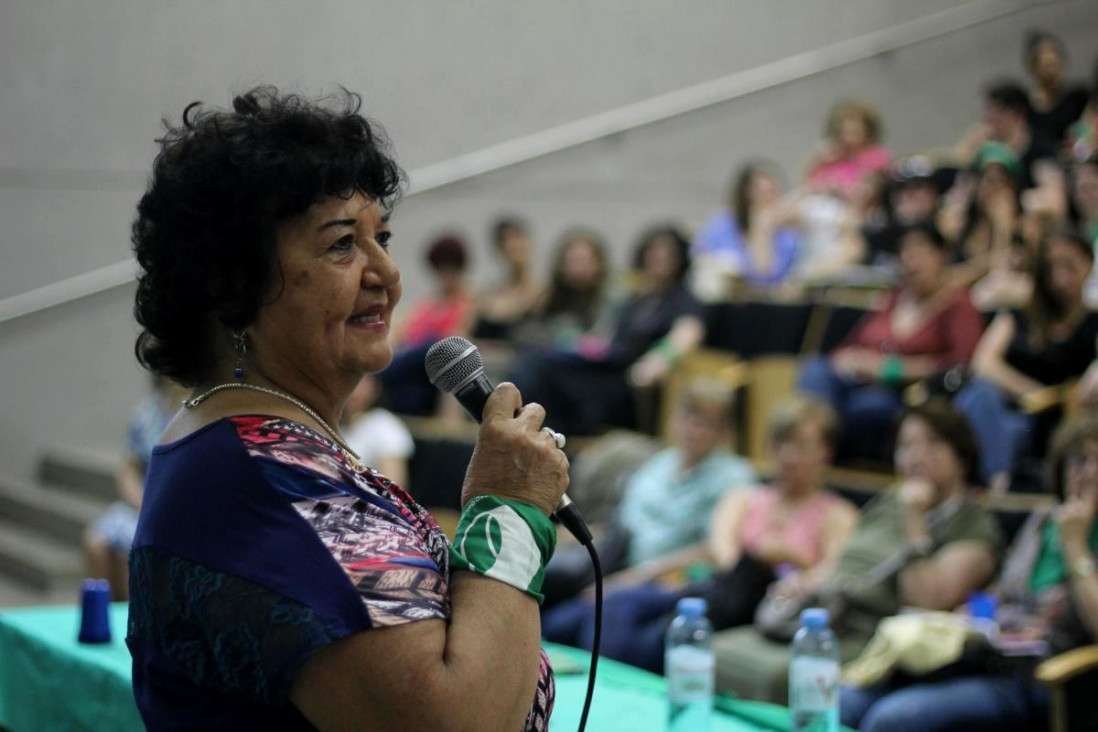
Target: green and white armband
509,541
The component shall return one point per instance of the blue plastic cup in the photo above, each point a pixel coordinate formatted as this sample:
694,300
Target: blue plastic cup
95,603
982,605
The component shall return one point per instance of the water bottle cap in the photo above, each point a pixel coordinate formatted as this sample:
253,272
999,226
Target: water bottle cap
691,607
815,618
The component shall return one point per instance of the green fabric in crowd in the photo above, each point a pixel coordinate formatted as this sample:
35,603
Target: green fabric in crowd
1049,570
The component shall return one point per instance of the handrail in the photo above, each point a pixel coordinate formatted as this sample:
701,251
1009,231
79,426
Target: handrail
603,124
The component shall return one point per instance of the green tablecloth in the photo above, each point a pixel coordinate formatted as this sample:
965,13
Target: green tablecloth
49,681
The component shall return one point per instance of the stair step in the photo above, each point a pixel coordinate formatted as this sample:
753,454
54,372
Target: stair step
59,512
88,470
38,560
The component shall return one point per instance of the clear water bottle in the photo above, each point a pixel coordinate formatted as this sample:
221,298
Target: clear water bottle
690,667
814,675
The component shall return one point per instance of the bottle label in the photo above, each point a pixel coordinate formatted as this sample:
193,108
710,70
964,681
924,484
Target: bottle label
813,684
690,673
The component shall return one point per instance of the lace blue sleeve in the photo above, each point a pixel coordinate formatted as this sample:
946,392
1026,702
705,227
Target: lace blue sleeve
220,631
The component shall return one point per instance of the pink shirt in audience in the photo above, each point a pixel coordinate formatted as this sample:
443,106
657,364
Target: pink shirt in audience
846,174
802,530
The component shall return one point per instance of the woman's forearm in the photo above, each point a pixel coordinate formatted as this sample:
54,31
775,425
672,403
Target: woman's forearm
1006,377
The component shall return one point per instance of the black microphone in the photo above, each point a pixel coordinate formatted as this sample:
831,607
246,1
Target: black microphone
455,366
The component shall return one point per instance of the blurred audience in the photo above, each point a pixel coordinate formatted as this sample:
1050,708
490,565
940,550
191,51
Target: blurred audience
926,327
108,539
924,544
377,436
447,311
653,330
1056,103
577,310
790,528
1084,198
983,213
512,300
1048,591
914,192
844,182
756,239
851,151
668,499
1007,120
1022,352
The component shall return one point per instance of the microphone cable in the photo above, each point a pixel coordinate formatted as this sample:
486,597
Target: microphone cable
595,641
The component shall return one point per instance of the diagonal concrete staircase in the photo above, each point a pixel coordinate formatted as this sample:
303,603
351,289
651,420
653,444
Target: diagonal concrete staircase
42,523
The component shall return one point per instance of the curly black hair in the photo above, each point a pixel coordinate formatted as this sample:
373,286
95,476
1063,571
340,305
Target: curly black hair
223,181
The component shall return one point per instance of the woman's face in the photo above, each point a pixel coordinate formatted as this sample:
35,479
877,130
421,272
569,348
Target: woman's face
802,456
1081,472
764,189
1086,191
326,320
852,132
661,260
699,429
1068,269
580,264
922,453
921,263
1048,64
516,247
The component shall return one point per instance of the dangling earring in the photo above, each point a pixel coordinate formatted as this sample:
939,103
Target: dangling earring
241,348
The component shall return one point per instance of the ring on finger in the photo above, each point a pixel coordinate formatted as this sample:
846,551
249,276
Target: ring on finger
557,437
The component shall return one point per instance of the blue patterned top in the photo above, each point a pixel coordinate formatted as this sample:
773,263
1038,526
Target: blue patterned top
257,546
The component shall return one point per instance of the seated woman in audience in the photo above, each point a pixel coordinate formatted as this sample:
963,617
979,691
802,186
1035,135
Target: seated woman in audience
1050,341
1048,589
108,539
377,436
792,527
445,312
510,302
983,214
576,312
1056,103
668,499
756,238
927,541
851,151
926,327
653,329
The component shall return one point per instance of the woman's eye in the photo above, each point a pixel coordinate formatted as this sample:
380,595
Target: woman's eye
344,243
383,238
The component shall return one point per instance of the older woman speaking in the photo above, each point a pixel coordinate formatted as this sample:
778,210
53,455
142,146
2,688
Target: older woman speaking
276,581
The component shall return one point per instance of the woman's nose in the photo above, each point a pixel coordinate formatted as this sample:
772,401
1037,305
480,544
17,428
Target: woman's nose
380,269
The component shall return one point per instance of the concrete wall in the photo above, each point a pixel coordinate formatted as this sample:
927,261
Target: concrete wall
85,84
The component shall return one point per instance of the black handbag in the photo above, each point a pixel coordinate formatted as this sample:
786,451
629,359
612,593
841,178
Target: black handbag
732,595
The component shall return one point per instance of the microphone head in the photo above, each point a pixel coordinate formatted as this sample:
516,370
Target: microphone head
453,362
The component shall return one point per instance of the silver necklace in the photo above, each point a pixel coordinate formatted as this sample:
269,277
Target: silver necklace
356,463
